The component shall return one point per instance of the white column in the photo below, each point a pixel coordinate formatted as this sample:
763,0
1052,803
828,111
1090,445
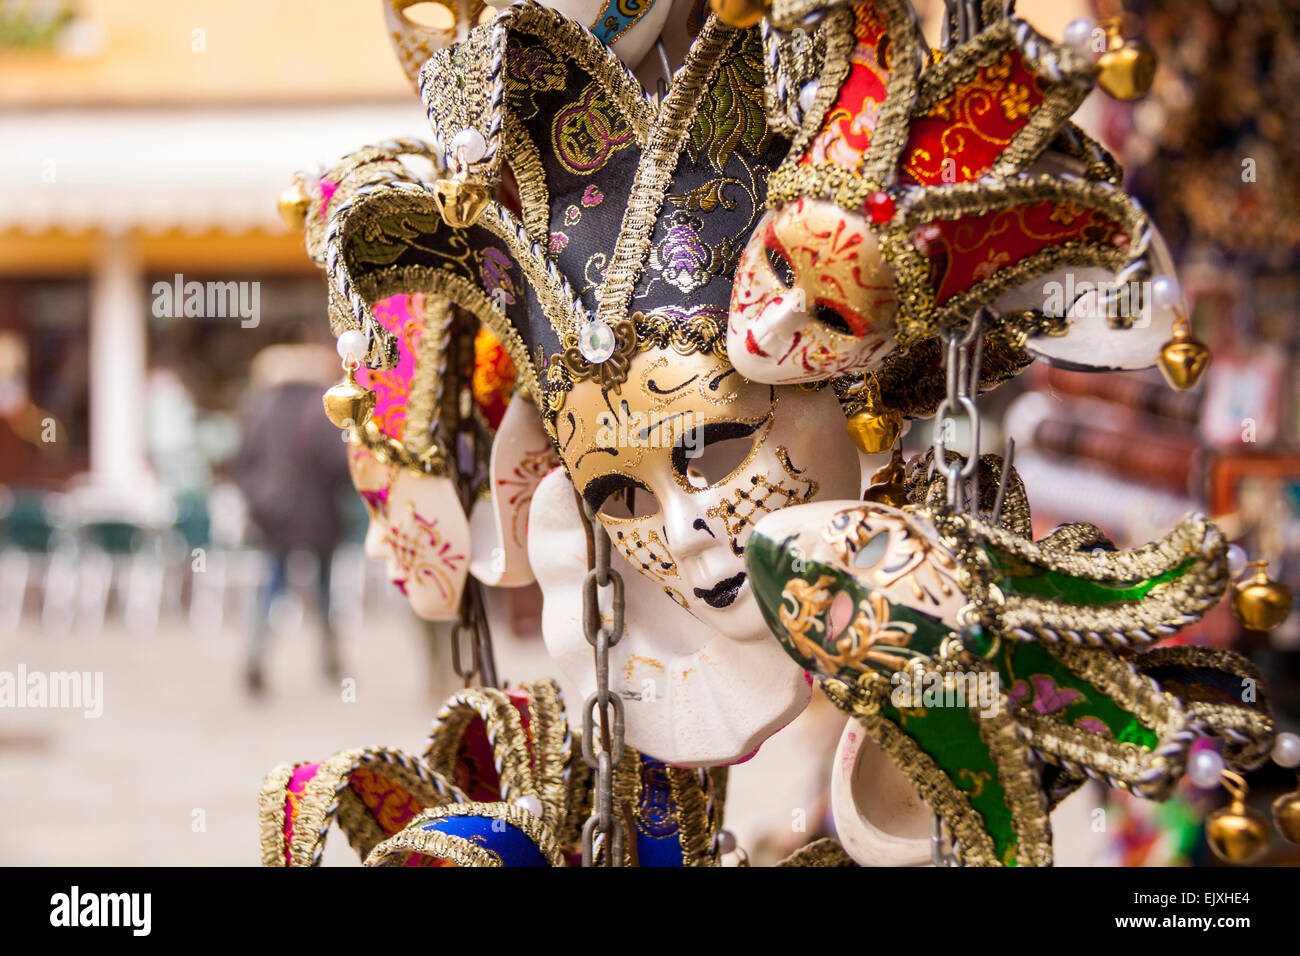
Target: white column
118,344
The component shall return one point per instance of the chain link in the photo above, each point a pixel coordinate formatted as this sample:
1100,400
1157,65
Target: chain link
603,824
963,359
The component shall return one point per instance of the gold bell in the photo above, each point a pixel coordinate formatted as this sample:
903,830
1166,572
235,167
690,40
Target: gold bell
741,14
293,205
349,403
875,428
1261,604
1286,816
1236,833
1184,358
1126,70
887,482
460,201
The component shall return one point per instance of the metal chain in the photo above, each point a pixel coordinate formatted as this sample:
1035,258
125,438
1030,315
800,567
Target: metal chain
963,358
603,824
962,375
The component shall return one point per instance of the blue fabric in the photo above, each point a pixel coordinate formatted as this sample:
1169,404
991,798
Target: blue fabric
506,841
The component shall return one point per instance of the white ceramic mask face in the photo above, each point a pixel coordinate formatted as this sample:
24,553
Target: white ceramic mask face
521,457
692,697
686,458
813,298
417,527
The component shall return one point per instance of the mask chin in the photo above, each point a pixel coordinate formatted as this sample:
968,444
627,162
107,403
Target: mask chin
693,696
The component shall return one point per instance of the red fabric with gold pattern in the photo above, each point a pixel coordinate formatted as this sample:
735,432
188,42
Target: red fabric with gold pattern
391,806
960,138
476,771
966,251
846,130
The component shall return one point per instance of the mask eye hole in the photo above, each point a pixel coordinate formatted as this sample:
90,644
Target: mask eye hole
873,552
779,263
620,498
711,454
833,319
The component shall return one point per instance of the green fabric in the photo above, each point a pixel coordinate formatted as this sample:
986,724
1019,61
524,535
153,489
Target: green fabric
950,735
1020,662
1016,576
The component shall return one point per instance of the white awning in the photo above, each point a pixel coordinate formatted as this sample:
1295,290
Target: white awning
159,169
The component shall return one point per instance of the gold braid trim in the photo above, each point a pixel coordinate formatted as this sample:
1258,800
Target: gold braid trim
270,814
835,33
551,750
655,170
1247,730
328,795
1074,537
1019,779
932,491
974,845
919,314
505,733
453,849
1162,612
1148,773
530,174
696,824
578,799
824,852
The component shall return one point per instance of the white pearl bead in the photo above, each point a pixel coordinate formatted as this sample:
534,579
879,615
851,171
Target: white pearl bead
469,145
1204,768
1078,33
1286,750
1166,293
807,95
531,804
726,841
1236,559
352,343
596,341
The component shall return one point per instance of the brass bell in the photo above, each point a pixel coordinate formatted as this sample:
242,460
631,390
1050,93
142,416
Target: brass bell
887,482
1261,604
1236,833
741,14
293,205
875,428
1184,358
349,403
1286,816
1126,70
460,201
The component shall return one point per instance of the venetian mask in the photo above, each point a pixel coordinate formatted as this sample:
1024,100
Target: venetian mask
418,529
681,463
692,695
813,298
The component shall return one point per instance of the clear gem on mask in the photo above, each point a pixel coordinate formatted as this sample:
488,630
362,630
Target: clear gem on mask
596,341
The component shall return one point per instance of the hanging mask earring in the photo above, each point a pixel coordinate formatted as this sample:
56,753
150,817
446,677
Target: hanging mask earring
1236,833
887,482
460,199
1183,358
1286,808
1128,67
1261,603
349,404
874,428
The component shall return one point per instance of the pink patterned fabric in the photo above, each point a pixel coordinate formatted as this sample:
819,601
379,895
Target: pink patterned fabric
292,797
403,315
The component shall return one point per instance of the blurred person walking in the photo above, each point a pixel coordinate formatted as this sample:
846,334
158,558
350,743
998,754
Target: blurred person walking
292,469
